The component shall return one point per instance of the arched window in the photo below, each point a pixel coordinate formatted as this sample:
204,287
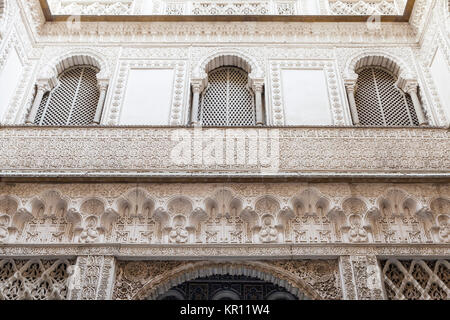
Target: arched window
379,102
227,100
73,101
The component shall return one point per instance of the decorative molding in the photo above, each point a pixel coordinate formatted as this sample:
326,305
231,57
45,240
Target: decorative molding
76,56
225,252
336,102
245,61
178,91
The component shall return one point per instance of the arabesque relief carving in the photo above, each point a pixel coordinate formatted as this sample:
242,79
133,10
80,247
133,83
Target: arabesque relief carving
225,216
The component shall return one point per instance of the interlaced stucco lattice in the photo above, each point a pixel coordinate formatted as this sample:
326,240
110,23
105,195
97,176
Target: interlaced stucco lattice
380,103
416,279
74,101
34,279
227,101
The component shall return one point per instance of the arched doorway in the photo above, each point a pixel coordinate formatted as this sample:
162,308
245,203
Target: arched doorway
151,280
228,287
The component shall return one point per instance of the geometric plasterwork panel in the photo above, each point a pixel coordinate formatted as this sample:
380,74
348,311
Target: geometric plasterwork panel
120,86
155,52
332,149
335,97
416,279
345,7
34,279
58,7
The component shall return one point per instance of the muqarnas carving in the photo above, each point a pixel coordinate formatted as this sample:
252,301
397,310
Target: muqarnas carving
12,218
224,224
436,221
311,223
267,220
398,221
49,222
180,222
92,222
135,222
354,221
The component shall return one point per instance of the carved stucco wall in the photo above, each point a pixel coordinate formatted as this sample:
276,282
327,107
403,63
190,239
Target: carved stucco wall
320,152
317,279
396,41
349,221
241,214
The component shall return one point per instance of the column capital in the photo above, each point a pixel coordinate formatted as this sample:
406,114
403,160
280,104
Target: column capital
408,86
350,84
198,85
45,85
102,84
257,84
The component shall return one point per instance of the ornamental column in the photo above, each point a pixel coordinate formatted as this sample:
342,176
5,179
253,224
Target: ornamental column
92,278
258,87
350,88
197,88
412,91
410,87
103,87
361,278
42,88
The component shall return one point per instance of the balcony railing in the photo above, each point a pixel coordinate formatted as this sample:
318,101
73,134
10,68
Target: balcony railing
227,7
224,152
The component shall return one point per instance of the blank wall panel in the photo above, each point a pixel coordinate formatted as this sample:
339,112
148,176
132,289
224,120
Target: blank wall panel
9,79
440,72
305,96
148,97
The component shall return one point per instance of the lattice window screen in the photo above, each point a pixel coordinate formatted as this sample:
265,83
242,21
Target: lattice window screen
74,101
227,101
416,279
380,103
